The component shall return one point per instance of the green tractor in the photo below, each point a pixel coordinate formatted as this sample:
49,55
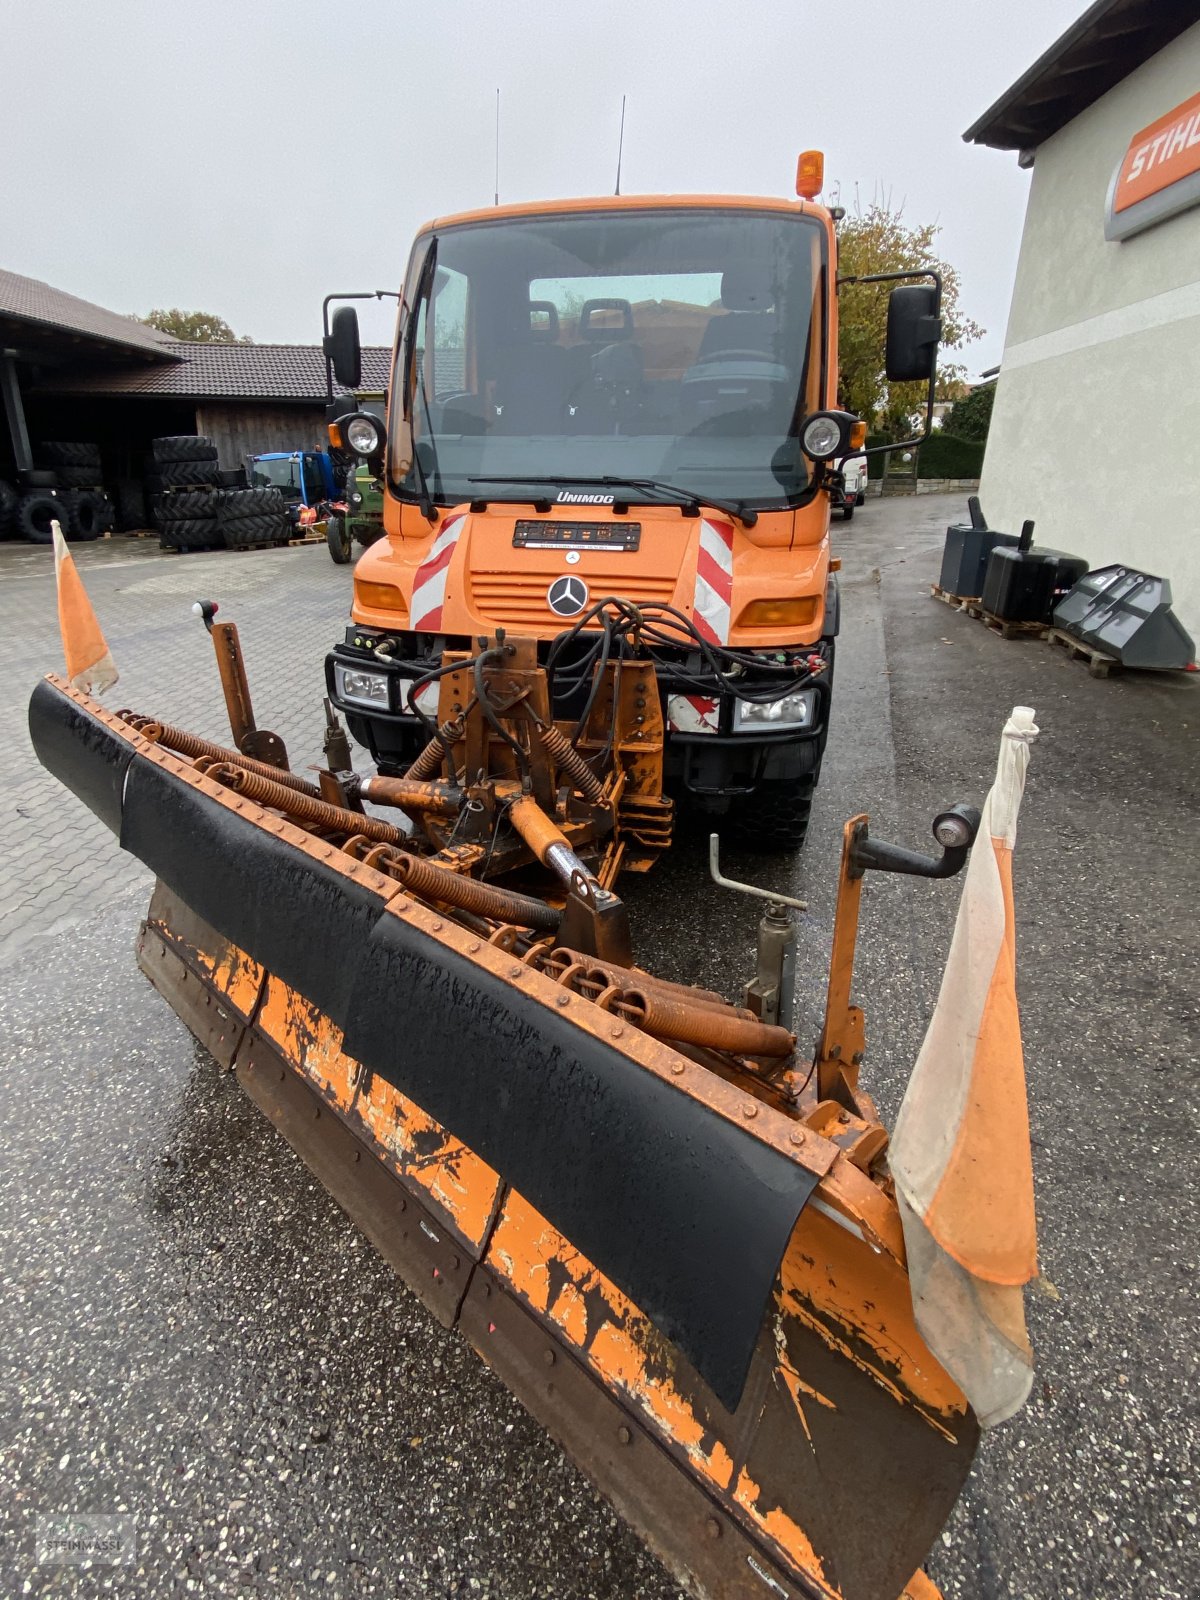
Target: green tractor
362,519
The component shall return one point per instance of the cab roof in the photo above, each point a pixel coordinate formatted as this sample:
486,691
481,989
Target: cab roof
631,202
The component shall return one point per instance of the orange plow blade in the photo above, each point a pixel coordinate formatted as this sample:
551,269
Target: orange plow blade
699,1290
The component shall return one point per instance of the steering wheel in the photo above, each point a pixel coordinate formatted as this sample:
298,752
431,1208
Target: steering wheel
737,355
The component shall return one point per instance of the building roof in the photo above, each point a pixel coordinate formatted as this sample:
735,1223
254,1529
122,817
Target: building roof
1109,41
33,311
279,372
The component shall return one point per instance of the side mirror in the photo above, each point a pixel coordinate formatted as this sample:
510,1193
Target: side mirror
914,326
343,348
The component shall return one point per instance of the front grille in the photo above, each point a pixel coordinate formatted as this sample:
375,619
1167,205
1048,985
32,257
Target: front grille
518,600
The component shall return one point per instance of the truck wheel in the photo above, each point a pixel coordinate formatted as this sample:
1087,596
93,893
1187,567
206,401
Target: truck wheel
847,510
775,816
35,514
337,537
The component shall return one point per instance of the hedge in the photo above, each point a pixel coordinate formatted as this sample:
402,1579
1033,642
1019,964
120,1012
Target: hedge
944,456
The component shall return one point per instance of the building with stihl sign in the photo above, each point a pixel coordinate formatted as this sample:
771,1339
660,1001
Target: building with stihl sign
1097,415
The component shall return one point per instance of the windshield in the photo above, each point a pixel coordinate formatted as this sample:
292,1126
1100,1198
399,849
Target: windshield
678,346
282,474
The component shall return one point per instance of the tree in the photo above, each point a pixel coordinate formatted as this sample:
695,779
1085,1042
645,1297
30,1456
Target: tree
970,417
881,241
194,327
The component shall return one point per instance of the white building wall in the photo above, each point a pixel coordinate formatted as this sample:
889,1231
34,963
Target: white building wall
1096,428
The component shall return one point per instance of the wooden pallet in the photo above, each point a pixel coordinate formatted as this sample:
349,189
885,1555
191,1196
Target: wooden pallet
1000,625
958,602
1099,662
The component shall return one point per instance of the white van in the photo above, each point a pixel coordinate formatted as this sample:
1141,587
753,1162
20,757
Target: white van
854,490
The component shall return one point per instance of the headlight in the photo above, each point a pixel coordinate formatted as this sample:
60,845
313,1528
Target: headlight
363,434
361,686
789,711
827,434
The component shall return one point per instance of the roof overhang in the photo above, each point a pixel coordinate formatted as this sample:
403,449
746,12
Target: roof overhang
1101,48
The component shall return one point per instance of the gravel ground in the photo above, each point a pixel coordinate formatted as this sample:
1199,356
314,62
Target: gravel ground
191,1332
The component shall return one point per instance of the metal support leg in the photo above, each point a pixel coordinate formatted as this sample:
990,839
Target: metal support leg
14,411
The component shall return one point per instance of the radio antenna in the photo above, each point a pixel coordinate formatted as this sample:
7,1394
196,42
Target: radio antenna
620,146
497,197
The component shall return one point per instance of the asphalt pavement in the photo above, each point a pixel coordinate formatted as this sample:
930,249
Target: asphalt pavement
193,1335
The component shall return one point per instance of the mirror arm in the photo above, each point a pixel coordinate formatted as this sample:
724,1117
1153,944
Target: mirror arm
931,393
351,294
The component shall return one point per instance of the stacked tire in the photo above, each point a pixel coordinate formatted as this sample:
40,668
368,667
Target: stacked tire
249,517
73,475
183,478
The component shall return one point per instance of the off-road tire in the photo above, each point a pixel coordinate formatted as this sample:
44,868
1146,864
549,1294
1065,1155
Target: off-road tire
185,504
84,514
9,501
66,453
131,505
341,545
79,477
238,503
368,533
108,512
186,474
36,512
191,533
240,533
775,816
183,447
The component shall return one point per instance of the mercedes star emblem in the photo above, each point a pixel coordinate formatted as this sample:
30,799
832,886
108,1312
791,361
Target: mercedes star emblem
567,596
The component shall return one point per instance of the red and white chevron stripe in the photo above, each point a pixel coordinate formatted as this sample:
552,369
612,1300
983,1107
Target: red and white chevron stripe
429,586
714,581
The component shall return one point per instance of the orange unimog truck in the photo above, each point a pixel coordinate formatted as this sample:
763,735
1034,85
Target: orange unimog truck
631,397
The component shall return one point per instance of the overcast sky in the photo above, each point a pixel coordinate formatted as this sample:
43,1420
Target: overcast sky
247,157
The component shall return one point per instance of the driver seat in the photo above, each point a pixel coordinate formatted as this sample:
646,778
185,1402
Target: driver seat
747,319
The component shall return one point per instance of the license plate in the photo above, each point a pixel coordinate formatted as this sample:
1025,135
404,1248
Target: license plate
530,535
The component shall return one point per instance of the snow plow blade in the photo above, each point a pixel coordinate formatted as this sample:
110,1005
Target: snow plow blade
698,1288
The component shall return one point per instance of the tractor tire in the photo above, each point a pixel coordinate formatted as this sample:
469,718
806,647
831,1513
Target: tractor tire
775,816
79,477
185,504
192,533
183,447
9,501
337,537
237,503
108,512
84,513
36,512
67,454
131,505
240,533
188,474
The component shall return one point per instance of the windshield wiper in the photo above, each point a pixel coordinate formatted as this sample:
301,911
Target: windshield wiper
684,497
425,285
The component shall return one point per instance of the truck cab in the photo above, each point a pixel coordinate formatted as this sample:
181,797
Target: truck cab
304,477
627,400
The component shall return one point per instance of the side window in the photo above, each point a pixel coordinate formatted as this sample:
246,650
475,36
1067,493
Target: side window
449,343
314,483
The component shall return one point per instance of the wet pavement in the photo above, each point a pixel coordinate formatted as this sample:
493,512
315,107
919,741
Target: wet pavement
191,1332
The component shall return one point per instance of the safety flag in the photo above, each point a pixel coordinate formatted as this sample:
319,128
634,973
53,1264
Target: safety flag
90,665
960,1154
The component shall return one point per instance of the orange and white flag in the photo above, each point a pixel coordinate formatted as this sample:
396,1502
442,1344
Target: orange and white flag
90,665
960,1154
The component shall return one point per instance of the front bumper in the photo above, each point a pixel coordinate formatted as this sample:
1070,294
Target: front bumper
719,763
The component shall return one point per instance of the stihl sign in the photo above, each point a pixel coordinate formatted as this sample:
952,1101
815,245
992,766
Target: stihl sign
1159,175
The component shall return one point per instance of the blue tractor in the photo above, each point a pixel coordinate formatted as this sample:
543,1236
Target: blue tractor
307,480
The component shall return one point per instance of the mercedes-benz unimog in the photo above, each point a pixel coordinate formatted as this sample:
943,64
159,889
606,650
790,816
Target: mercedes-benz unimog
630,398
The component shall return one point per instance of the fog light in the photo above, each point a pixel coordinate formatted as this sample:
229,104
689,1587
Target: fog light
361,686
789,711
382,596
779,613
